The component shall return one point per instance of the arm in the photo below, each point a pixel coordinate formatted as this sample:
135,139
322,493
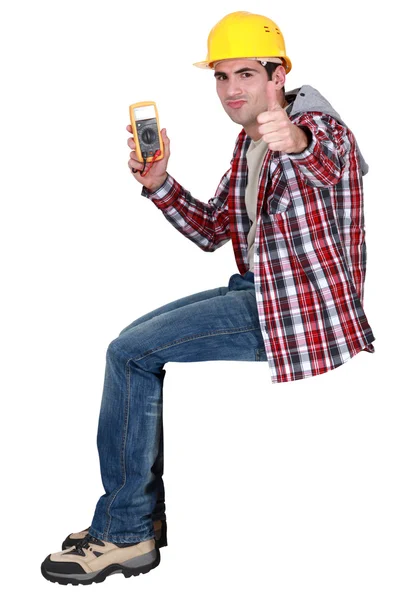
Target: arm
207,225
323,161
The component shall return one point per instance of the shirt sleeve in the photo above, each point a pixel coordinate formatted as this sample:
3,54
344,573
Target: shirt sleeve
323,162
205,224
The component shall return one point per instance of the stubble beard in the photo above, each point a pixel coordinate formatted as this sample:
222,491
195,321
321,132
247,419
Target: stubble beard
243,120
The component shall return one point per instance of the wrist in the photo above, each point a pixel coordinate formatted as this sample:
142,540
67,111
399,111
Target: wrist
157,184
305,139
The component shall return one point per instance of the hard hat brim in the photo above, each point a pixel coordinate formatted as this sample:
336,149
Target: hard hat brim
204,64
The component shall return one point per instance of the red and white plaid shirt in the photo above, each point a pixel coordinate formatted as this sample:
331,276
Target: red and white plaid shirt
310,251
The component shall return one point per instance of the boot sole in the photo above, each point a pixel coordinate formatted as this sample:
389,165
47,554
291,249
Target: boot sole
135,566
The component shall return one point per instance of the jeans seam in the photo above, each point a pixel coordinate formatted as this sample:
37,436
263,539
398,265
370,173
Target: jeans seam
123,449
194,337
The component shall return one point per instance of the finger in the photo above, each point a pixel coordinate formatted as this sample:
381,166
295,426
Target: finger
135,164
269,127
166,141
134,156
272,97
131,143
129,128
267,117
273,138
164,135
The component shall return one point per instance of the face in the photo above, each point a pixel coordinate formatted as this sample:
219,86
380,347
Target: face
245,80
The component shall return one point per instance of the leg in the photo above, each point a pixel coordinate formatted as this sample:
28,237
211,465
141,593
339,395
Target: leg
222,326
158,467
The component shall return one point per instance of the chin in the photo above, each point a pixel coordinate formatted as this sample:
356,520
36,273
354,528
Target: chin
232,118
236,120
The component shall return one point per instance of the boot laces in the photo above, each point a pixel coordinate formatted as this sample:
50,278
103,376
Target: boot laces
86,541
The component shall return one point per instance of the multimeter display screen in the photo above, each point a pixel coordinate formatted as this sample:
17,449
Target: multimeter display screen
144,112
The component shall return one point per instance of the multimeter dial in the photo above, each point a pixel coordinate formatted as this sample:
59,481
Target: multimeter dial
148,136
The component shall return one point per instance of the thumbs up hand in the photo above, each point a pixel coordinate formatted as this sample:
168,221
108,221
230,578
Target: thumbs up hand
276,128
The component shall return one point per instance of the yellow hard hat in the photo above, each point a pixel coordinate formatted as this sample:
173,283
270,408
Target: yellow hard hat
243,34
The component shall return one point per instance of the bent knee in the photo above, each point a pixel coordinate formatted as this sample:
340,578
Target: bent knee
125,329
126,347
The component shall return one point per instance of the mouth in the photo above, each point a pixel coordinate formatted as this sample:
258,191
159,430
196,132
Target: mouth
237,104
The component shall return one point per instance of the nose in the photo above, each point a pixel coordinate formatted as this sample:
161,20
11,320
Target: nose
233,89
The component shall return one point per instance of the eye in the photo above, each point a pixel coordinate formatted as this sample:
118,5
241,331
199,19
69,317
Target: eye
222,77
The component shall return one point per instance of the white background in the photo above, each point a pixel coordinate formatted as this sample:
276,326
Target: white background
283,491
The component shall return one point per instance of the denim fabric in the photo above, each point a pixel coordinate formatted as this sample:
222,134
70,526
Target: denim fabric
217,324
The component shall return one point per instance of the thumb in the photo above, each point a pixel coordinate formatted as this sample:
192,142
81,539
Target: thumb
272,97
166,140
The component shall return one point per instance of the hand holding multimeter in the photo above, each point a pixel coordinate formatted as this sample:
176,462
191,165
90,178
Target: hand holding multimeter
150,146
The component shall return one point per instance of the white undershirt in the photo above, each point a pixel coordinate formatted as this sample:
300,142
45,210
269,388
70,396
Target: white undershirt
255,156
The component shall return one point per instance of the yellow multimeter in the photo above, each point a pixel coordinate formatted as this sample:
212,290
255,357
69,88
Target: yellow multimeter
146,131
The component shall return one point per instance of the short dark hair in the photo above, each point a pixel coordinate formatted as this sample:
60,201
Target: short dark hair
270,68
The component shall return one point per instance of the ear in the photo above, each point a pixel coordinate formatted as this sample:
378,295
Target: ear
281,72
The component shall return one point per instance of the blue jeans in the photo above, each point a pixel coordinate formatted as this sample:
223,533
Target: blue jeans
217,324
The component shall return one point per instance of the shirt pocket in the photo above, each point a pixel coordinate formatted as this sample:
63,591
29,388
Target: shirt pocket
277,198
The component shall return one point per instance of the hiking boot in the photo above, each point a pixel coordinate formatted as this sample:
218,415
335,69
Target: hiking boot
92,560
160,535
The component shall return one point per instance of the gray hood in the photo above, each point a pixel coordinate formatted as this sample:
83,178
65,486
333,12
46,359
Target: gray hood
309,99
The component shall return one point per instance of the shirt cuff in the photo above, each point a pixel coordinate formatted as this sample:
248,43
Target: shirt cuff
165,194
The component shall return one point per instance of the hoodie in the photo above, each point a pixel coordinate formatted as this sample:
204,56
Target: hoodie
309,99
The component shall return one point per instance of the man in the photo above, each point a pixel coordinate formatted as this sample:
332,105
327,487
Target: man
292,204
